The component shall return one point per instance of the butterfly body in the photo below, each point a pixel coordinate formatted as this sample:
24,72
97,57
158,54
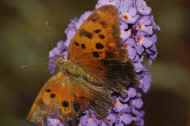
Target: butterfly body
96,68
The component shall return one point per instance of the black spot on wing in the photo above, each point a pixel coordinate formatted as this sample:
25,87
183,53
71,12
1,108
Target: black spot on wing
95,54
83,46
99,46
48,90
86,33
97,31
76,43
65,103
52,95
101,36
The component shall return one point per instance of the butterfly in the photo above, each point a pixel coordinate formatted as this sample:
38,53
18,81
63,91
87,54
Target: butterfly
96,68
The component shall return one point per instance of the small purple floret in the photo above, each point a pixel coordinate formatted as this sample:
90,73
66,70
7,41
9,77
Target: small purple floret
145,81
89,119
129,15
54,122
137,103
126,119
142,7
131,92
144,24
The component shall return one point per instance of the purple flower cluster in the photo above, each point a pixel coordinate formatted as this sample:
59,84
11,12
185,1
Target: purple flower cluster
54,121
59,51
125,110
137,27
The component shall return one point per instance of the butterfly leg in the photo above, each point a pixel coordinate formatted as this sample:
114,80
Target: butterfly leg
44,121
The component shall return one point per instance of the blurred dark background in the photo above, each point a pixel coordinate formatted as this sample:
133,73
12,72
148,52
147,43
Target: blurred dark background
29,29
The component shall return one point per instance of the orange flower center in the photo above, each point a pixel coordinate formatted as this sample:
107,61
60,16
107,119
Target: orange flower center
115,102
139,39
126,46
126,16
90,117
140,27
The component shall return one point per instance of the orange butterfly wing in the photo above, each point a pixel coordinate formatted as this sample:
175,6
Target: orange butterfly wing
98,39
60,96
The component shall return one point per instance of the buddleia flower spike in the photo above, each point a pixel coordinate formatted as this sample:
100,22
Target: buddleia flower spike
137,27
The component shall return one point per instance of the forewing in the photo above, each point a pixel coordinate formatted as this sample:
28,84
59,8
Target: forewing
97,40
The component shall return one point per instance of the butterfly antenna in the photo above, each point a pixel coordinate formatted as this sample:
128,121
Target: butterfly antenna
27,66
